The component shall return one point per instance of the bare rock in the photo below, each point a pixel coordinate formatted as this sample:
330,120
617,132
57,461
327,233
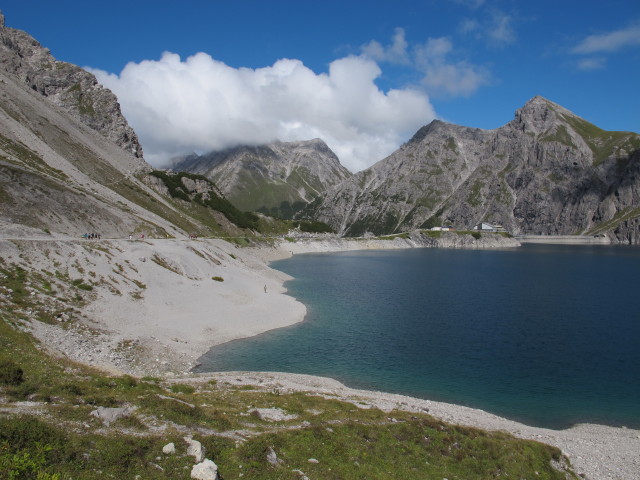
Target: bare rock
169,449
68,86
205,470
195,449
108,415
272,458
274,415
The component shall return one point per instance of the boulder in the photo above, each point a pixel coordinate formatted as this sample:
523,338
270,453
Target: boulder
169,449
272,458
205,470
108,415
195,449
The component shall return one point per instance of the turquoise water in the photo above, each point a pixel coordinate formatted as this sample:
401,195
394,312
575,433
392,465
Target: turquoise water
547,335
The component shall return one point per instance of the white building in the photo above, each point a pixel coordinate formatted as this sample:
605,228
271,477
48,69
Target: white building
485,227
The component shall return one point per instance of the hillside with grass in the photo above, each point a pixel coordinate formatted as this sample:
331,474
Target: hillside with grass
61,420
99,334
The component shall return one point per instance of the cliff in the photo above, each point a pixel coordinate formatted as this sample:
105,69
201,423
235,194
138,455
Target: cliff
546,172
68,86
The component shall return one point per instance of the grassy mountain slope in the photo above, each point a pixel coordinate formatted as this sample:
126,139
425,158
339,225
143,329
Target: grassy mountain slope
276,179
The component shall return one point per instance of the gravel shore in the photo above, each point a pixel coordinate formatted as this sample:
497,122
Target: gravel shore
158,305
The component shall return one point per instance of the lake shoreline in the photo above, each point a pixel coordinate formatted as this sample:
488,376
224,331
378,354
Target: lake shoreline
165,281
598,452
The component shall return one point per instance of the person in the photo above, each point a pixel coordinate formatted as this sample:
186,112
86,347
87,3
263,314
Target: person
265,289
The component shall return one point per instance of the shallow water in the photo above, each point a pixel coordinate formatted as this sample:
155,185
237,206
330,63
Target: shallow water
547,335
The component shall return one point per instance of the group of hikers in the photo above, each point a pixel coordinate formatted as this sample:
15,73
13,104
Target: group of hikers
96,236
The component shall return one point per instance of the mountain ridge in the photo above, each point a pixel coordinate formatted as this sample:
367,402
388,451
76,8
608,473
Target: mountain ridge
274,178
547,171
68,86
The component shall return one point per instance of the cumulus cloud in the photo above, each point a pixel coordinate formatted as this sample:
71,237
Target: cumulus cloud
444,76
395,53
609,42
200,104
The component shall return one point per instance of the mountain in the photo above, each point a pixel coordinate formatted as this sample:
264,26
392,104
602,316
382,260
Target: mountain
547,171
73,89
70,163
278,178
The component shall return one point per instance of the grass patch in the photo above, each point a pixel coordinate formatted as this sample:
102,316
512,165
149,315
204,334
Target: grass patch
349,442
10,373
182,388
157,259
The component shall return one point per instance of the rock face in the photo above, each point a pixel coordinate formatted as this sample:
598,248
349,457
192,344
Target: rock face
262,178
68,86
546,172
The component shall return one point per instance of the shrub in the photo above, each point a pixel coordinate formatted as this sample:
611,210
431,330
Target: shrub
10,373
182,388
217,279
126,382
476,235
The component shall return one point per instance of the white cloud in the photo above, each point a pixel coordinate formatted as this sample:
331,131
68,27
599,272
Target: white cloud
394,53
500,31
441,74
446,77
591,63
200,104
468,25
609,42
496,29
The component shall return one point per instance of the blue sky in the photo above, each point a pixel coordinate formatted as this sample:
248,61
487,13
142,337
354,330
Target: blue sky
362,75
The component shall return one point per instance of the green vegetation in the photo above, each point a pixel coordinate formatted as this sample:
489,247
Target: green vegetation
432,233
475,195
174,184
10,373
164,263
560,135
602,143
217,279
182,388
620,217
22,155
451,145
393,237
434,221
60,439
285,210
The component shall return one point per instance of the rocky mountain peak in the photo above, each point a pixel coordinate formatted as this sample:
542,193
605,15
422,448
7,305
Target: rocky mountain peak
432,127
538,115
68,86
264,177
546,172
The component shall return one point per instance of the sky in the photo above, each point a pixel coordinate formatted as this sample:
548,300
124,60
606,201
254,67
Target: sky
364,76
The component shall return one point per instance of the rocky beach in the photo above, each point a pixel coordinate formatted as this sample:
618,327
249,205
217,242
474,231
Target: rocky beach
157,305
